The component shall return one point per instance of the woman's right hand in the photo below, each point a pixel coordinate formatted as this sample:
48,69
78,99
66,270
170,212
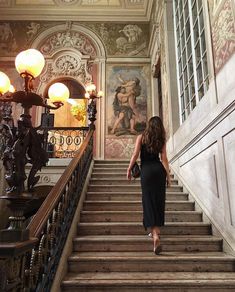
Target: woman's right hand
128,174
168,181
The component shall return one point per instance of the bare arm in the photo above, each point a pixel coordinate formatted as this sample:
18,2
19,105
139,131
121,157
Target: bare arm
134,156
165,163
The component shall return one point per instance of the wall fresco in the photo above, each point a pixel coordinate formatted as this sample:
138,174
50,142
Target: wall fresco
126,107
223,31
119,39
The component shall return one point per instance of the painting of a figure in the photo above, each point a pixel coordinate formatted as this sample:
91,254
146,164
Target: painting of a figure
127,101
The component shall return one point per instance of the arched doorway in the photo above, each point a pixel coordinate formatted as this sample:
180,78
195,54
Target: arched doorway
66,115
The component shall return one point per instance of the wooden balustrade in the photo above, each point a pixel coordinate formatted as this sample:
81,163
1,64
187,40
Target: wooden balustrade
31,265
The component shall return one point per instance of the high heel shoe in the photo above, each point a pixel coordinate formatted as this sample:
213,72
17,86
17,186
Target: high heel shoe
157,248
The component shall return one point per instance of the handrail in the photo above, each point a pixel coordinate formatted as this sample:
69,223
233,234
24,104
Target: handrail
31,265
41,217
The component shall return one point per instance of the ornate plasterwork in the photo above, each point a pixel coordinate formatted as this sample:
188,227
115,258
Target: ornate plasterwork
68,39
70,64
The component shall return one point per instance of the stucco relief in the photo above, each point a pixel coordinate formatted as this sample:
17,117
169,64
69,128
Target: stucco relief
67,65
223,34
68,39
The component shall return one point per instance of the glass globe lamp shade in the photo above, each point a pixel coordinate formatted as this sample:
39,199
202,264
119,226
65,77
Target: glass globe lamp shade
90,88
4,83
87,95
58,93
12,89
100,94
30,62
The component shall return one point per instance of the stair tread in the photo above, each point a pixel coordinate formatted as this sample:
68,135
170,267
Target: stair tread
132,202
138,212
169,276
141,224
145,237
129,193
149,255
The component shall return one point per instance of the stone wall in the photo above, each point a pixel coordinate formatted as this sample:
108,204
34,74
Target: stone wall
202,150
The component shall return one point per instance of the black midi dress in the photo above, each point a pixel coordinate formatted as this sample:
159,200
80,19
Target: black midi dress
153,184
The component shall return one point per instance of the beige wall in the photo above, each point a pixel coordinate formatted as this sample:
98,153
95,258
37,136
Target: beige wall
202,149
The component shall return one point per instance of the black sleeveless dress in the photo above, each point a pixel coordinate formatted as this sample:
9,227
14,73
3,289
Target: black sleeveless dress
153,184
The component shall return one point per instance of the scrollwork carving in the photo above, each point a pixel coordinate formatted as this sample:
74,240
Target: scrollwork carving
67,64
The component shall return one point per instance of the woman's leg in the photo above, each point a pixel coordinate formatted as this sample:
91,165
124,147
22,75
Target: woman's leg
156,239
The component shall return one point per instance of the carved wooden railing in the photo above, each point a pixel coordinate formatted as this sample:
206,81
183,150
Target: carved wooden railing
31,265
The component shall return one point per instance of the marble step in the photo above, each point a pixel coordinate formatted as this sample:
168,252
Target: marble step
136,281
110,161
133,216
117,175
127,186
148,262
136,228
134,205
124,243
128,195
119,181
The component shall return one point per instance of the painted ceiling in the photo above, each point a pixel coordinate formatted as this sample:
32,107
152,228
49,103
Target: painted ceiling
89,10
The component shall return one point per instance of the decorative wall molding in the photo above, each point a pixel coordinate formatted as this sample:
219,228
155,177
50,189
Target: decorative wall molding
213,123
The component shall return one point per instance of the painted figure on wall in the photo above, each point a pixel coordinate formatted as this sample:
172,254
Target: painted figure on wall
128,104
124,106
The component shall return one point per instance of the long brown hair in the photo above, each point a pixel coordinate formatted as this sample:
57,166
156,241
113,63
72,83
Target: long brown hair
154,136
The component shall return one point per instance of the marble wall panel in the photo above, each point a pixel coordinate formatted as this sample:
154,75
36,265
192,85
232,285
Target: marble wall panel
229,155
201,171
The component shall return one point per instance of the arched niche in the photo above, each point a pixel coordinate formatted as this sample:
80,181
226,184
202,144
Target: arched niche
73,51
63,117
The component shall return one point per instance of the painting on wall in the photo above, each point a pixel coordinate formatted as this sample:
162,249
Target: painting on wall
223,31
126,107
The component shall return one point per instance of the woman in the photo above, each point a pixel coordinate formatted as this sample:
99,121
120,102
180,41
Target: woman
154,176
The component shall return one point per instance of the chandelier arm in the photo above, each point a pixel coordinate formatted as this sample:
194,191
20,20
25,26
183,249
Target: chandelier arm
6,98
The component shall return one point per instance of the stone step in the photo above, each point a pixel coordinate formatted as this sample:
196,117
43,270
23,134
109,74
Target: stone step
119,181
124,243
164,281
136,228
117,175
127,196
149,262
134,205
129,186
105,162
112,172
133,216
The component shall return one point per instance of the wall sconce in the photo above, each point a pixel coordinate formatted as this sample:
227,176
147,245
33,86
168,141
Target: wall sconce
23,143
92,95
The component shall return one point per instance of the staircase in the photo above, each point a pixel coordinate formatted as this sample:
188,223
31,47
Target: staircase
112,251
